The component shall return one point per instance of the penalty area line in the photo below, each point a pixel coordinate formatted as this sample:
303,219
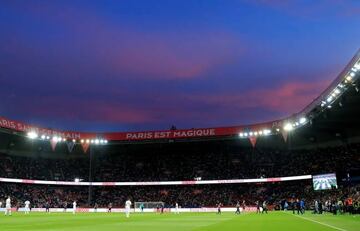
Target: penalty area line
321,223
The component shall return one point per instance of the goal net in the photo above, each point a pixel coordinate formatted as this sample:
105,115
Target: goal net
148,205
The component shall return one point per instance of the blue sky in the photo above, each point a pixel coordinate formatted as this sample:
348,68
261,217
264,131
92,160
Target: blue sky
134,65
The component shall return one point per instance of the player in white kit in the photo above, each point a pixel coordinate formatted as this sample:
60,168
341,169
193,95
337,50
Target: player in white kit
127,208
176,208
0,204
74,207
27,207
8,207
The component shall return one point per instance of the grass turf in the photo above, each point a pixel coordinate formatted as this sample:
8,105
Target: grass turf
274,221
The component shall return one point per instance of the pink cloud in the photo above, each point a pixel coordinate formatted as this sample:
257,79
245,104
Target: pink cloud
288,98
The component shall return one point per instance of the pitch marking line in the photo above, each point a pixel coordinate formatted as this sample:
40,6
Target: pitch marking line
321,223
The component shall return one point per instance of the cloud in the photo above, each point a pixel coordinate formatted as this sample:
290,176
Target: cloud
286,99
85,39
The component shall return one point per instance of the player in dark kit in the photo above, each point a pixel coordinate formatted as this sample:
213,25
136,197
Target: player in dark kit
237,208
257,207
295,205
47,207
219,208
109,207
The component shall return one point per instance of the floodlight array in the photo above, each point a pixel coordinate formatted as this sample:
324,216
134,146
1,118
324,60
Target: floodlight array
34,135
348,80
264,132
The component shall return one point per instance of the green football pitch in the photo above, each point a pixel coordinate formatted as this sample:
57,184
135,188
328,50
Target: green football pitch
274,221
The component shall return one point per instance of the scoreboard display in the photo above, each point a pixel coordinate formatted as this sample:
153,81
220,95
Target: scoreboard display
325,181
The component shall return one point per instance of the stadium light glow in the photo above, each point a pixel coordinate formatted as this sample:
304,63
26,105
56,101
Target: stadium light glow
357,66
87,141
32,135
73,140
105,141
267,131
43,137
241,134
302,120
82,141
48,137
288,127
97,141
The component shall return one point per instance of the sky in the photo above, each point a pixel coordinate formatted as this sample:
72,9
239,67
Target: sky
148,64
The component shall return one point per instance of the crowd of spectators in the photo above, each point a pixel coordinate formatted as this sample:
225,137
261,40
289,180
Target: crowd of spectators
172,165
252,163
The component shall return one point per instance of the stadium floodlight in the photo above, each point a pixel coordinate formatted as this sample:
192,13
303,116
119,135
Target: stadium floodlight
82,141
48,137
73,140
302,120
255,133
105,141
77,180
97,141
43,137
260,132
55,138
245,134
32,135
329,99
102,141
92,141
288,127
64,139
337,91
241,134
87,141
352,74
267,131
349,78
357,66
251,133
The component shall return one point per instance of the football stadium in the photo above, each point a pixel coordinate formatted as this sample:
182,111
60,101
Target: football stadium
299,171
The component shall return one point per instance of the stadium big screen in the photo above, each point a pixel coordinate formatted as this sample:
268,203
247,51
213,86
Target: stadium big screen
324,182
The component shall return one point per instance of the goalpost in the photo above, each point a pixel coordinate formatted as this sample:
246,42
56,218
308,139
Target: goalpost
148,205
